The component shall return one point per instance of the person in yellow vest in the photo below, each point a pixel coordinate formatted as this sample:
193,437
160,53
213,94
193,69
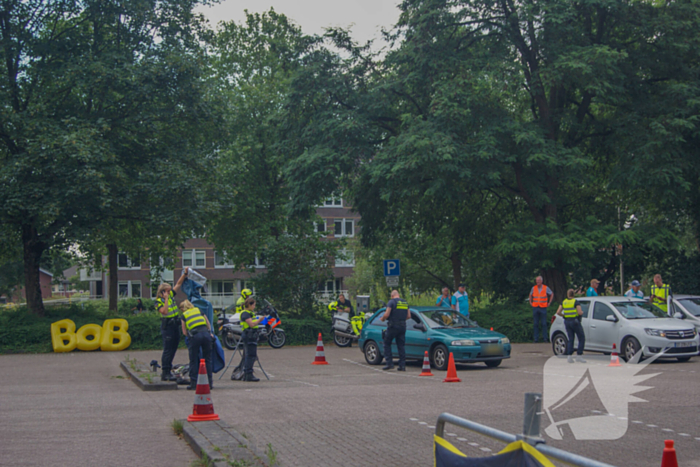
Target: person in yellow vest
541,297
245,293
571,310
660,293
197,327
169,324
249,323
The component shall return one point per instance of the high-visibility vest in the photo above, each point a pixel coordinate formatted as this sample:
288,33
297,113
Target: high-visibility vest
539,297
569,308
239,304
244,324
661,296
172,306
194,318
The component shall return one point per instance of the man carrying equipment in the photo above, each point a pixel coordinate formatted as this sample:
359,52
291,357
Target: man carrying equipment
169,324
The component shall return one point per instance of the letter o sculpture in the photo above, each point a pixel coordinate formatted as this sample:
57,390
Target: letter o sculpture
94,330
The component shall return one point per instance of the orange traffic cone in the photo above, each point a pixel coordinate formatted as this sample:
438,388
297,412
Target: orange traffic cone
451,372
669,457
426,366
203,410
320,354
614,358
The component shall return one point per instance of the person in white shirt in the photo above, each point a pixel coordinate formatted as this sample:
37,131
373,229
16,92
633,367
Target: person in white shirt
635,291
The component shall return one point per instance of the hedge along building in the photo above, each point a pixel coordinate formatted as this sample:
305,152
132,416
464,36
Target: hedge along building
224,280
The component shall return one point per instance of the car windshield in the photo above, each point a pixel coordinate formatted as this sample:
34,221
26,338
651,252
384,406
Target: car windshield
639,310
446,319
692,305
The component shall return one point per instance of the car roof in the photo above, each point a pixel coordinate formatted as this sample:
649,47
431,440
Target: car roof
682,296
608,299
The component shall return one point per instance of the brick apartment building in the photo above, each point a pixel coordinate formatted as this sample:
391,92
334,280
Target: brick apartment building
224,283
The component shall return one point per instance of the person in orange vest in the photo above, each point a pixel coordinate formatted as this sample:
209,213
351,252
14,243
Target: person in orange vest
541,297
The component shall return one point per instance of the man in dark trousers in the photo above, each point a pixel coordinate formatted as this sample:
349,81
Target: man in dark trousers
397,313
169,324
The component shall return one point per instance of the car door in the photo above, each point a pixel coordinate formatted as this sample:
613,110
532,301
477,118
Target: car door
602,333
585,319
416,339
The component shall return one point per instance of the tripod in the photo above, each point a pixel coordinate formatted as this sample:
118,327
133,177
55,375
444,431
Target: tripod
240,350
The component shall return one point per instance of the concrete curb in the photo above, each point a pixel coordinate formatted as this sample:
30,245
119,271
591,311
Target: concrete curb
144,384
223,445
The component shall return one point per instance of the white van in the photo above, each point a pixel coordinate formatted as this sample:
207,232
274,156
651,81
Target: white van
631,325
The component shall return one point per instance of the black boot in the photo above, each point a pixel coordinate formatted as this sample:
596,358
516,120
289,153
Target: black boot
250,377
167,376
388,366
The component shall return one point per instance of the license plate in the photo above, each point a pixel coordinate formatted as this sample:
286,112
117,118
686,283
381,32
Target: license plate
491,349
684,344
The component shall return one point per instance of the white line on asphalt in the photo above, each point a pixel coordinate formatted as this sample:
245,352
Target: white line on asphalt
424,378
698,439
422,423
451,434
473,444
637,421
461,439
666,429
652,426
431,427
683,434
413,419
302,382
485,449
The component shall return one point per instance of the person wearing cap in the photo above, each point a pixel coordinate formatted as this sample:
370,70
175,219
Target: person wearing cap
541,297
635,291
197,328
660,293
460,301
249,323
571,310
593,289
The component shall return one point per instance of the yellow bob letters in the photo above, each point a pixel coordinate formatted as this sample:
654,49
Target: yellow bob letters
111,336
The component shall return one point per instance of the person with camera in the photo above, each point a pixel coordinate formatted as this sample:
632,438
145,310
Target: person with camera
249,323
197,327
169,324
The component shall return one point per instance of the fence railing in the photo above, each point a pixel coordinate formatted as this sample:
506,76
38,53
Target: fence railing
531,433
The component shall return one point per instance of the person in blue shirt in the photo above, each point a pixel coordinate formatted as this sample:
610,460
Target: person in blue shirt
460,301
444,299
635,291
593,289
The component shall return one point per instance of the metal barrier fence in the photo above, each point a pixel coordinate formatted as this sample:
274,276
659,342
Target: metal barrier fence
531,433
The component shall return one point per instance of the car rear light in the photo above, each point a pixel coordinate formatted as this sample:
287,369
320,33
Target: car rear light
553,318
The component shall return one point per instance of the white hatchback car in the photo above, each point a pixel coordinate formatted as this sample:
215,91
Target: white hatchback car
631,325
689,308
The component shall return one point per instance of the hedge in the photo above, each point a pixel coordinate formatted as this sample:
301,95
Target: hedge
21,332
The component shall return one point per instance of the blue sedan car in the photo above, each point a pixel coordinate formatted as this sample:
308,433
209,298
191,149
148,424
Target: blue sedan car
439,331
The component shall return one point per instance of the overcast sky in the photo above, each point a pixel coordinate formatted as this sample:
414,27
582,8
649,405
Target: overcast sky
366,17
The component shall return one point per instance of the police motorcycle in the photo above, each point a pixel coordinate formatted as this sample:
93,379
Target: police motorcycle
230,328
345,330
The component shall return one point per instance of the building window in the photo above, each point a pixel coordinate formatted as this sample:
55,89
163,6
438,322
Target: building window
245,285
320,228
125,262
130,289
348,262
344,227
222,287
333,202
220,260
194,259
330,287
259,261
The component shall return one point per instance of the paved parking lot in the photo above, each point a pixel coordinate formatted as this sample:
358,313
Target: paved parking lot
70,407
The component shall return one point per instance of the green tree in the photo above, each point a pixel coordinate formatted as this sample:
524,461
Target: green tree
96,96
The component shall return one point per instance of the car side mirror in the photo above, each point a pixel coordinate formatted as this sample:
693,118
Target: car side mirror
419,326
611,318
679,315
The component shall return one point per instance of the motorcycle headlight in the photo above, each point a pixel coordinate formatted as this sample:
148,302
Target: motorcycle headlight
655,332
463,342
505,340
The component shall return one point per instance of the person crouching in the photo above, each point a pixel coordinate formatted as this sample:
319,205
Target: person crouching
196,325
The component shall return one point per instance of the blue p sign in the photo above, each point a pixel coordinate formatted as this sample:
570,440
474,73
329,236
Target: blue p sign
392,267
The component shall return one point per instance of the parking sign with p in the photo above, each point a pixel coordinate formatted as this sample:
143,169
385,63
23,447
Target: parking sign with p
392,267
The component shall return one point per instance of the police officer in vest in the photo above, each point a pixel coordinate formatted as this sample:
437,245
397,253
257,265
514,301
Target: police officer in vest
197,326
660,293
571,311
169,324
397,313
245,293
250,338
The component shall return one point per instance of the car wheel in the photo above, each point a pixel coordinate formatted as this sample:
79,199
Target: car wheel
372,355
493,363
682,359
559,343
440,357
630,347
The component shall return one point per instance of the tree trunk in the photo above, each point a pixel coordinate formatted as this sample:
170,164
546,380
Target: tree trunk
112,253
555,279
456,270
33,249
